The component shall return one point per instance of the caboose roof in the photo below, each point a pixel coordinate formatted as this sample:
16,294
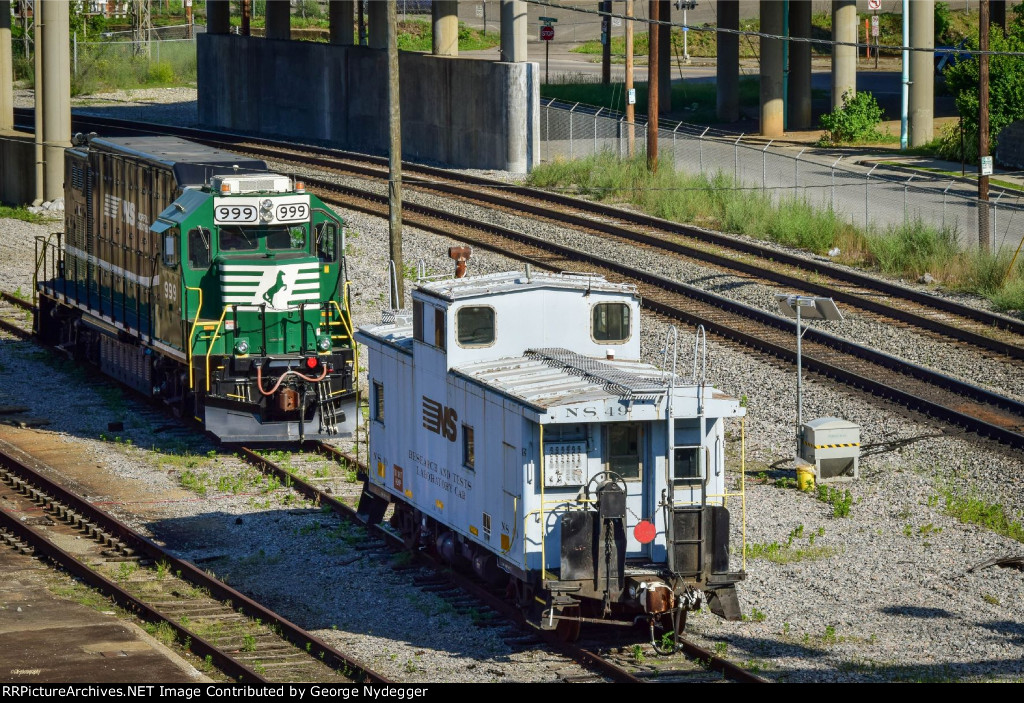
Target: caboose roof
551,378
452,289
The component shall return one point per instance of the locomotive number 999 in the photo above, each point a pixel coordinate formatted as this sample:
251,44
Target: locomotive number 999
236,213
295,212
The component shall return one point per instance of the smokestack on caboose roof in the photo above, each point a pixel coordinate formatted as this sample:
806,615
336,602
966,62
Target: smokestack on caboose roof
461,256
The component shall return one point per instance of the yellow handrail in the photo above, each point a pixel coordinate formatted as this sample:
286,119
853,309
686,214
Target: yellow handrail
213,340
191,335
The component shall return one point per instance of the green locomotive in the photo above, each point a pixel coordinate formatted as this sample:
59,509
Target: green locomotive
202,278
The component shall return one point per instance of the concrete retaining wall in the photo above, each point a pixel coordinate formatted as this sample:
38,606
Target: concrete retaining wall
466,113
17,168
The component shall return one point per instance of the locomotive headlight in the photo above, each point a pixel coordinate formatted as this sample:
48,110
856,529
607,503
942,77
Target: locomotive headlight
267,210
323,343
242,347
267,204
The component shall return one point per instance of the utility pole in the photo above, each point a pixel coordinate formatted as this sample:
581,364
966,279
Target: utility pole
630,90
652,86
246,28
395,155
142,26
984,234
188,19
362,23
606,43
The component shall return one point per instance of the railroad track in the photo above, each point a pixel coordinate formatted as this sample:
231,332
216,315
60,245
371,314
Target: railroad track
224,628
468,593
943,319
919,388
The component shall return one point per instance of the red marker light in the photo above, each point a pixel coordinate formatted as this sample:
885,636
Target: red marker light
645,531
311,362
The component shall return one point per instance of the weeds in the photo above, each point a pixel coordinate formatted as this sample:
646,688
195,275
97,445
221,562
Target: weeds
194,482
249,643
719,202
841,501
637,652
971,510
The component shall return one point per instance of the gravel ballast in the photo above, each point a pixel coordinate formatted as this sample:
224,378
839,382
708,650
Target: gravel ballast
881,594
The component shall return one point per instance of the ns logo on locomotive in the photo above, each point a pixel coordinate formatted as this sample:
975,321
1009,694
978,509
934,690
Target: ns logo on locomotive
202,278
516,432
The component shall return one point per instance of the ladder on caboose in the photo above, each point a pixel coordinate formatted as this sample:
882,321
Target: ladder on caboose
685,528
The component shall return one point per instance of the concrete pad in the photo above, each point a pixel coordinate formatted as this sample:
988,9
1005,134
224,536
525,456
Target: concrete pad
48,639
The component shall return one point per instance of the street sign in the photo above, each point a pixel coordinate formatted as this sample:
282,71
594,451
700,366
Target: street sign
547,33
874,25
874,4
479,10
548,20
986,165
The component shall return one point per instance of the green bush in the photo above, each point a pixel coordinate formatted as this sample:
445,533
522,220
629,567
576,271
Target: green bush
943,23
160,73
856,120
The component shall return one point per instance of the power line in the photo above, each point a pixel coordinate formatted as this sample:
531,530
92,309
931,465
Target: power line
781,37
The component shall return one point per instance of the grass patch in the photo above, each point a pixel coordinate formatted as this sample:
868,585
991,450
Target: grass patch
21,213
974,511
790,551
718,202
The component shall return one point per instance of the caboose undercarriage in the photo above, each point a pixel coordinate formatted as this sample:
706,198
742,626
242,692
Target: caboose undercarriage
597,583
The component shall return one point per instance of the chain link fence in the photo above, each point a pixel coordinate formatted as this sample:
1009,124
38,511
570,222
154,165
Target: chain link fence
870,196
167,56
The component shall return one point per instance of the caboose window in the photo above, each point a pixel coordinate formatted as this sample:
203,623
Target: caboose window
686,463
378,401
199,248
417,321
623,452
468,448
293,237
439,332
611,322
474,326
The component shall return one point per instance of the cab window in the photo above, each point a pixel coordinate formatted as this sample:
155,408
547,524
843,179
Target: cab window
610,322
199,248
475,326
171,247
327,241
237,239
286,238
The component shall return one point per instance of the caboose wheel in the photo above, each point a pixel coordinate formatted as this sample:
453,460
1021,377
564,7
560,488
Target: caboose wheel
568,630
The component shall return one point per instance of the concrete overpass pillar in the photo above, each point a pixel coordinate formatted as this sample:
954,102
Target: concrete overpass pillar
56,94
218,16
728,65
279,20
922,72
771,70
341,14
513,30
6,68
799,65
377,17
844,58
445,16
665,58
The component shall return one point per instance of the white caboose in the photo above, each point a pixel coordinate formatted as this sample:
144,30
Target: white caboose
513,425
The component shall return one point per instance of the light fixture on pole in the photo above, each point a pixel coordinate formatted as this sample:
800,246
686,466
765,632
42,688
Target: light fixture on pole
807,308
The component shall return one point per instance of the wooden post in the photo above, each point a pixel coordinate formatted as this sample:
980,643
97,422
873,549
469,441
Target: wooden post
984,235
630,108
395,154
652,87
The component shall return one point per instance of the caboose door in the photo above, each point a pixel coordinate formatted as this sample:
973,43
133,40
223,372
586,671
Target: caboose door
512,485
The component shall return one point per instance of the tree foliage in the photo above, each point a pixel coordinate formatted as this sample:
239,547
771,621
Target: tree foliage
856,120
1006,80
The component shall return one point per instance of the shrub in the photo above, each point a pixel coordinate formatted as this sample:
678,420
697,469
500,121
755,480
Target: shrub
160,73
856,120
